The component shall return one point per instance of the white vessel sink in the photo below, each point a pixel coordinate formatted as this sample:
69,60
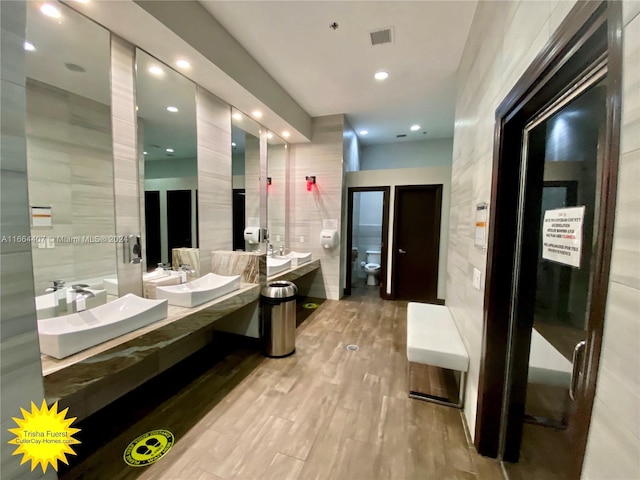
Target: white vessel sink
68,334
277,265
203,289
298,258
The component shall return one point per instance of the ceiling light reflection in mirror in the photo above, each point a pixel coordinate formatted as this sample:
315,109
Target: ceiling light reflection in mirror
69,146
167,143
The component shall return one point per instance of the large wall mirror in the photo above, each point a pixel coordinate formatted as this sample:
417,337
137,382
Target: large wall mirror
245,156
277,181
69,150
166,103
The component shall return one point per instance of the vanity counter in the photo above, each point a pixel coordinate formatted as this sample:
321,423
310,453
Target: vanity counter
89,380
295,273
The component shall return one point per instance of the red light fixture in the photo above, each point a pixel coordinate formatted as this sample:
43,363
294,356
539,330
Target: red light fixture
311,181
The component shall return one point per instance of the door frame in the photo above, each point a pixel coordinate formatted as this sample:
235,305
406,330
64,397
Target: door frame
351,191
396,212
531,92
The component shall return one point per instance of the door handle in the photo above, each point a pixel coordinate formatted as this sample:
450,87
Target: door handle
575,371
401,251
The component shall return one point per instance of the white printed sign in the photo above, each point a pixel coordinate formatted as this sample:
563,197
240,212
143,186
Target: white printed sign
562,235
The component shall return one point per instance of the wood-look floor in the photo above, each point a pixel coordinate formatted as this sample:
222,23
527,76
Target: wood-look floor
323,413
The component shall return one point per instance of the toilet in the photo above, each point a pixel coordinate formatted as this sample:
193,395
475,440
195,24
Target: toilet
372,266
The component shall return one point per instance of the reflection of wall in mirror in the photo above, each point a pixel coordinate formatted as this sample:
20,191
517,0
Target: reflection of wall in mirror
276,194
252,182
70,167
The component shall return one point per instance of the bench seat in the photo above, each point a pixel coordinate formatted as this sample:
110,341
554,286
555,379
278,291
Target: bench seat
433,339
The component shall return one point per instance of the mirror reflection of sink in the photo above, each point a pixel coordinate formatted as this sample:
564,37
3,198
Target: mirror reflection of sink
298,258
198,291
47,304
277,265
69,334
111,284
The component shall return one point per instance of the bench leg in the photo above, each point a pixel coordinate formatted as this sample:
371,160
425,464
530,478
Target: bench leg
440,400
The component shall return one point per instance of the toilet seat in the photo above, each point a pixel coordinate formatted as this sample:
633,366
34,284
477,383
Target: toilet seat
371,267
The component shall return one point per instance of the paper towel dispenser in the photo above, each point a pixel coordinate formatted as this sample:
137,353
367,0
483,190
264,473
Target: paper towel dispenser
329,238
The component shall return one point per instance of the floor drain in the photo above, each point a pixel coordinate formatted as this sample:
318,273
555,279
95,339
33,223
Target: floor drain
353,348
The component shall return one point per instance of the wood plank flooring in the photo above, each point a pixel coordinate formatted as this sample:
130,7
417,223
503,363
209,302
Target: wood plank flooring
323,413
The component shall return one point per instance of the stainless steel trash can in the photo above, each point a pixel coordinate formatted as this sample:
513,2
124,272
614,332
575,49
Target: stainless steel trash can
278,318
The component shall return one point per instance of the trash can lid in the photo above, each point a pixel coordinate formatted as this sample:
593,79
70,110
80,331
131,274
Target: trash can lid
279,289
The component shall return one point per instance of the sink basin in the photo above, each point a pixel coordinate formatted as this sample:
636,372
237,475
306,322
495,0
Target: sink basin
68,334
198,291
111,284
46,305
298,258
277,265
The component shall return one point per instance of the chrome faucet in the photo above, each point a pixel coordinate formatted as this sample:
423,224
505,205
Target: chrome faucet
80,297
271,252
191,273
282,249
58,287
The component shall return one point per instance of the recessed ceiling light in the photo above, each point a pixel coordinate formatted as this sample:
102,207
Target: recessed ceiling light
269,135
172,109
237,116
381,75
286,134
50,10
233,144
415,127
29,47
257,113
364,132
169,150
155,70
183,63
145,153
82,1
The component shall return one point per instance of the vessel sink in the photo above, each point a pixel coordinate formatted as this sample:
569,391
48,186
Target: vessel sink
298,258
277,265
198,291
111,284
68,334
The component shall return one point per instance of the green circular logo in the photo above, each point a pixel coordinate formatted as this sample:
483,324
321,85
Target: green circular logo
310,305
148,448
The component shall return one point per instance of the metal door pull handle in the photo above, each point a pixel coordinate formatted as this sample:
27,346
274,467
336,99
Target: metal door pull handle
401,251
577,358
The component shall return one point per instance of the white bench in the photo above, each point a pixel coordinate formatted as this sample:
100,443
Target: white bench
433,339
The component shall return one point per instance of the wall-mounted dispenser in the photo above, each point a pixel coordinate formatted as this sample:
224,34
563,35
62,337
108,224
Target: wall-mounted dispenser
252,235
132,249
329,238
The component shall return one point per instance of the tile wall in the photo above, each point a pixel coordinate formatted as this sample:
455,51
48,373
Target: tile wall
614,435
214,176
126,177
21,372
322,158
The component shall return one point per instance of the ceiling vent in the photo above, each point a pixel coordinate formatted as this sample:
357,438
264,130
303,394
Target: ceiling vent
401,135
381,36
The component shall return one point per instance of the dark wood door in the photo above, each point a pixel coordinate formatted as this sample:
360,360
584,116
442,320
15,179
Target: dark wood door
416,242
238,218
152,228
179,219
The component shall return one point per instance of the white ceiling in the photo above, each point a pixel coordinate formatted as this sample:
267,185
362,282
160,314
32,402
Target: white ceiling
331,71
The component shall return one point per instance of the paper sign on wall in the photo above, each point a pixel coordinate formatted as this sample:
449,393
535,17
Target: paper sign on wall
41,216
562,235
329,224
480,236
